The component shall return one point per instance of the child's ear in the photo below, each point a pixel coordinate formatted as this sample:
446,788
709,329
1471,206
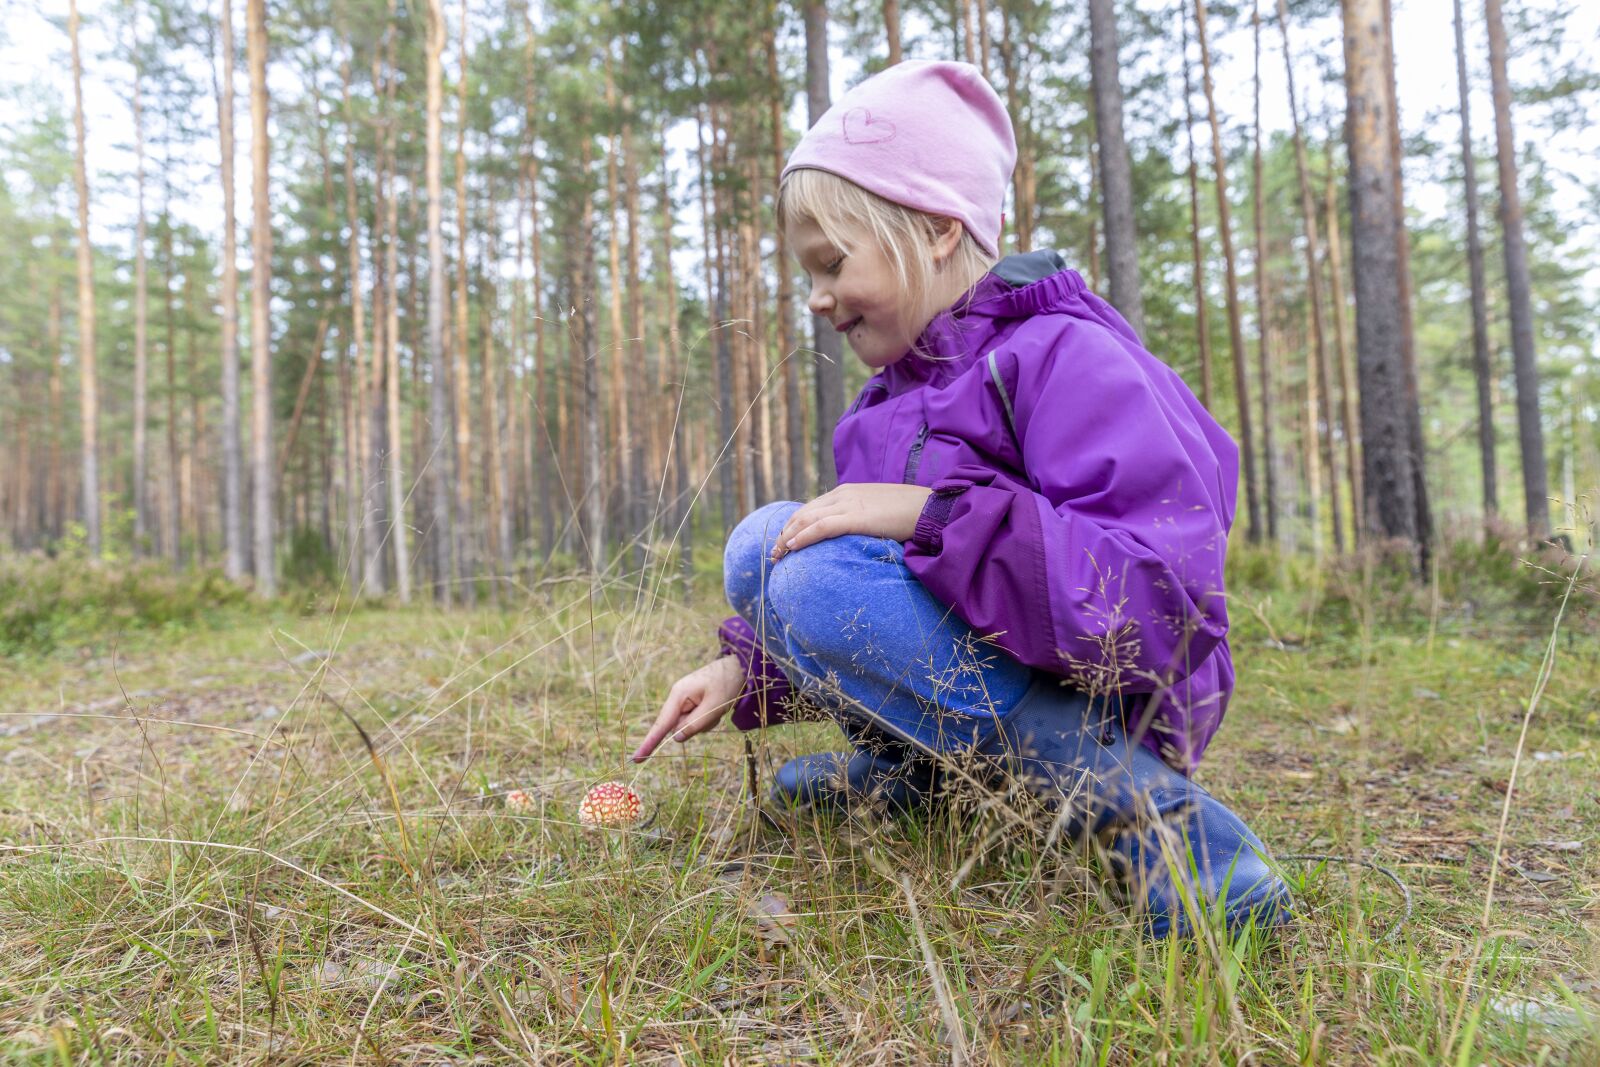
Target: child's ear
947,234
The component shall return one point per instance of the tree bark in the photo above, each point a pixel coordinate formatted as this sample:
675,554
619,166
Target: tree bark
55,475
1263,358
1480,313
1347,383
828,344
169,510
794,482
621,467
399,535
442,536
1388,478
584,349
676,374
983,38
891,27
88,391
466,551
494,456
141,308
1202,325
1308,212
1408,344
263,511
358,440
539,418
1241,385
727,460
1530,431
1116,173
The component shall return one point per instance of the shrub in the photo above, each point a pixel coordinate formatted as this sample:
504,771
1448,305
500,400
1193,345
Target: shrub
48,603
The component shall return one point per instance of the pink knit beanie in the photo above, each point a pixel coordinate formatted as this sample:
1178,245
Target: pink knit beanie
927,134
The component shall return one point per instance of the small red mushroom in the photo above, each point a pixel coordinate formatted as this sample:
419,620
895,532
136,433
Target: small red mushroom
610,804
520,801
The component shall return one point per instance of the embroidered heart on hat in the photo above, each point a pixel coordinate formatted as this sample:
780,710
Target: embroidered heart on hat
861,128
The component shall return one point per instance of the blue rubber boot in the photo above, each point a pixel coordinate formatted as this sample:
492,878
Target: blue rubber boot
1176,848
878,771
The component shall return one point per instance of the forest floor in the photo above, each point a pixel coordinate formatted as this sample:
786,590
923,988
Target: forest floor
202,860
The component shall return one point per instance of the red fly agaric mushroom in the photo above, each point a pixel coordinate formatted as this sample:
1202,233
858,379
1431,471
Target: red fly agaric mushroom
519,801
610,804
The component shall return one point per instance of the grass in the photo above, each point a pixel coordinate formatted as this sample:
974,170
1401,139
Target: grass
201,860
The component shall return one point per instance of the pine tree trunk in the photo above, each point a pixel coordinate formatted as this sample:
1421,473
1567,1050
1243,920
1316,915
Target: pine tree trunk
641,379
494,455
1241,385
1419,489
232,453
1480,315
1388,479
794,482
261,457
827,342
466,553
621,467
983,38
441,474
55,474
539,417
676,376
728,444
1263,358
1347,382
1094,228
1202,325
398,526
584,350
357,441
1308,212
519,491
88,390
1116,173
891,27
141,308
1530,432
1022,205
169,507
377,541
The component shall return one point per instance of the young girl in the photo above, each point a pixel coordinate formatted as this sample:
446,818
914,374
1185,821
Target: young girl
1023,563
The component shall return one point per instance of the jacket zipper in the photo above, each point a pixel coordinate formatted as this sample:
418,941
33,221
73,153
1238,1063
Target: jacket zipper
914,460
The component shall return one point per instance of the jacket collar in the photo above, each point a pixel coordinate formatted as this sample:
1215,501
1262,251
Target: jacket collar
1018,287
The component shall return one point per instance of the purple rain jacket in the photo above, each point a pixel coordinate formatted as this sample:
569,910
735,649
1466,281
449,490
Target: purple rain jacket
1080,508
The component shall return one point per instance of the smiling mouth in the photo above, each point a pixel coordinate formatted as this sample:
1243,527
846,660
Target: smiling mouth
846,327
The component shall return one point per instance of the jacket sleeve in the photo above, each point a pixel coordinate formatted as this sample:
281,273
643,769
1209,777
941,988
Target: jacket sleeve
1105,566
767,693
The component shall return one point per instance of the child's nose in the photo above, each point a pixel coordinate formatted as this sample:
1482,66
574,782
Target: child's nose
821,300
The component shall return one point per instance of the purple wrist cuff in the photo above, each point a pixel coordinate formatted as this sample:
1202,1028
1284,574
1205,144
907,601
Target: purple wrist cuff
761,703
929,532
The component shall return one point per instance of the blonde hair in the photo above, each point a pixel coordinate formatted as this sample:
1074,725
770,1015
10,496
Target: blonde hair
849,216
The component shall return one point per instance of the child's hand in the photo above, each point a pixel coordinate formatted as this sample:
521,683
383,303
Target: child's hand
876,509
695,704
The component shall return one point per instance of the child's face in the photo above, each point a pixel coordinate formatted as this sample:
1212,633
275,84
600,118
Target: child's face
858,293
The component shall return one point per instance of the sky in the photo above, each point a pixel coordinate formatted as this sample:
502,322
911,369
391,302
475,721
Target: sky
34,51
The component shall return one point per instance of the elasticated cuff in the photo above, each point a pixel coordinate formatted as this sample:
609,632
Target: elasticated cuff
761,703
929,532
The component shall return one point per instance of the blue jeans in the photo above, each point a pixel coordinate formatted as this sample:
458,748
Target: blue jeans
860,637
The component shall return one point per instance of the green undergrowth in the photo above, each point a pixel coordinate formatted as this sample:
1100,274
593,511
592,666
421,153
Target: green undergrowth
283,837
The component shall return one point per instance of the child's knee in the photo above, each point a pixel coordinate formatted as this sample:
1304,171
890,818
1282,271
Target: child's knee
823,591
747,559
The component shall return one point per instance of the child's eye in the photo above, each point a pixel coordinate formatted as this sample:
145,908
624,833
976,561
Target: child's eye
833,268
